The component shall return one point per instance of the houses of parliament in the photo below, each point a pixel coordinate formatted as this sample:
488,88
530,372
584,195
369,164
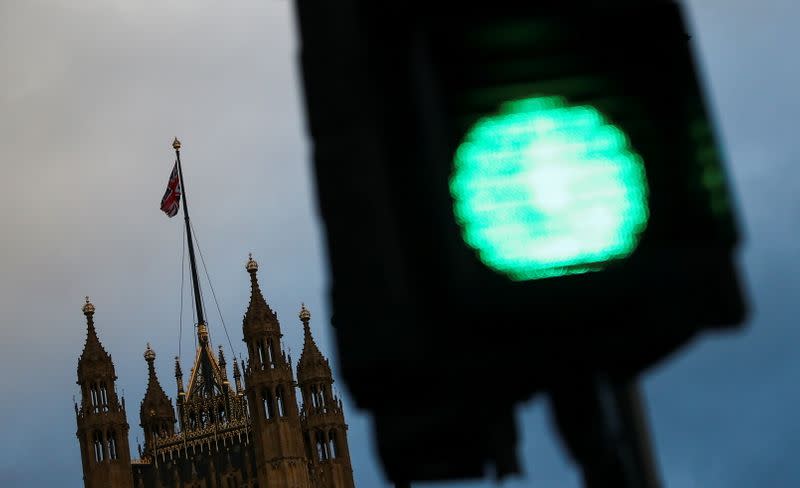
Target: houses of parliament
247,433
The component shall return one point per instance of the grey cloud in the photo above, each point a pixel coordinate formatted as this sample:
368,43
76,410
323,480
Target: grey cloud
92,94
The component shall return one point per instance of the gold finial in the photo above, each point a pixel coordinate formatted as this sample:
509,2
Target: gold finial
176,144
305,314
202,332
149,353
252,265
88,308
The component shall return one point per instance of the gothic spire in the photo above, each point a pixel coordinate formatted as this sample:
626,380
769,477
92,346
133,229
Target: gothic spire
101,418
258,315
155,399
156,413
94,357
237,376
206,375
221,358
178,374
312,363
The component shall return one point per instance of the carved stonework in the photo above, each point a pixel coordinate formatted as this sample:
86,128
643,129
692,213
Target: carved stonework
218,435
102,424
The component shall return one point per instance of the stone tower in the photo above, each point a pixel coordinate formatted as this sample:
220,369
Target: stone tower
102,423
269,384
249,434
324,429
157,417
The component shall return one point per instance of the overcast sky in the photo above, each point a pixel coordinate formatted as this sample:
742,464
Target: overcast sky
92,93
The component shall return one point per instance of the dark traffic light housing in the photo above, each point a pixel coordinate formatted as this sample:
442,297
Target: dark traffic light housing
513,193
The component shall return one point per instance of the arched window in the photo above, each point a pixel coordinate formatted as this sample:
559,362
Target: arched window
94,396
271,353
333,444
103,397
112,444
262,354
97,443
279,397
308,443
269,409
317,398
322,447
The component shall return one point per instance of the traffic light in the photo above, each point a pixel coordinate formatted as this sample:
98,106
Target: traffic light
513,193
544,189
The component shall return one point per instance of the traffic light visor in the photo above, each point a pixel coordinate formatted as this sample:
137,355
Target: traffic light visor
542,188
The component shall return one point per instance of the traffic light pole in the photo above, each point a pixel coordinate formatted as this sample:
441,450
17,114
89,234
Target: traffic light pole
602,423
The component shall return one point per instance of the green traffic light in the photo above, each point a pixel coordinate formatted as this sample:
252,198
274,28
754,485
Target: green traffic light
546,189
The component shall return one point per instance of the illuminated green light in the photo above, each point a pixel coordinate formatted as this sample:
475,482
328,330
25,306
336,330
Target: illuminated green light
545,189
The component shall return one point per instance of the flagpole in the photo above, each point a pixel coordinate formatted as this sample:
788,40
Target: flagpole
176,144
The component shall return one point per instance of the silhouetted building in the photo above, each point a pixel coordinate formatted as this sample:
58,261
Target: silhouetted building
218,435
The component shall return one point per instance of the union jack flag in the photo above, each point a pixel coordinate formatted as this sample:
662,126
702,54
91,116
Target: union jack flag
171,201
